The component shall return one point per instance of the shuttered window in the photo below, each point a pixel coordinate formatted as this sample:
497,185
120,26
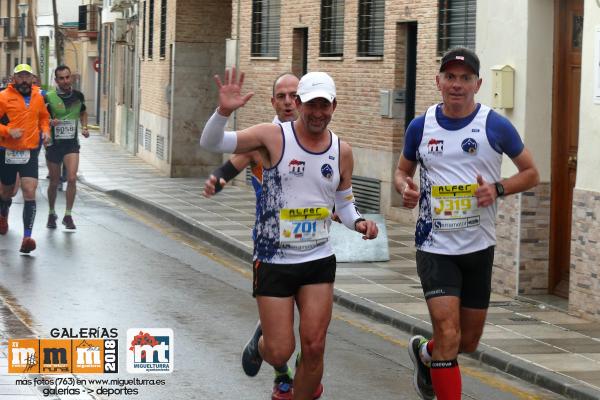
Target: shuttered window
163,28
456,24
371,16
332,28
265,28
151,29
143,28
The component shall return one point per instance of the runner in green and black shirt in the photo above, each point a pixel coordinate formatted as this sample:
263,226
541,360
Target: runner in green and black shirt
68,117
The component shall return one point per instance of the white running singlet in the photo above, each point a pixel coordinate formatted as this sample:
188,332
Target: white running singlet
294,212
450,222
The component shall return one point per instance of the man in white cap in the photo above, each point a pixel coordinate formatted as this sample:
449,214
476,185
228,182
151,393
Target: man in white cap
307,170
24,115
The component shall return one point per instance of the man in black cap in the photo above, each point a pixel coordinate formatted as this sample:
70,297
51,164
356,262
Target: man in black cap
458,145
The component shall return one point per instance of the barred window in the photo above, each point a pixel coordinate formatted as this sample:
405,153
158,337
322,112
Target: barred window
371,16
332,28
163,28
265,28
150,29
456,26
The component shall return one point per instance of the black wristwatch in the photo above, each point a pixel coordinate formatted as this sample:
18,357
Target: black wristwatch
499,189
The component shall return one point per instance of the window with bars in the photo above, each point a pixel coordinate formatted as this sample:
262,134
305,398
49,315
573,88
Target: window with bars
371,16
143,28
150,28
265,28
332,28
163,28
456,25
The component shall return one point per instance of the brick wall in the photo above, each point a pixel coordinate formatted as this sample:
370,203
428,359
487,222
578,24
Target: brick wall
358,80
154,72
197,32
584,282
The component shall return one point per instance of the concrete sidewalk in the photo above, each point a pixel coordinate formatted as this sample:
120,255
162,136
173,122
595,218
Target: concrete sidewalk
534,342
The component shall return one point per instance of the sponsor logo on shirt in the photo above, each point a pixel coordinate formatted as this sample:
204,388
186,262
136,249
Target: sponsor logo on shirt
435,147
327,171
296,167
469,145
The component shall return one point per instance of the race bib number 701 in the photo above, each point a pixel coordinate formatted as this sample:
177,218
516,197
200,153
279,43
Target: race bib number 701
300,226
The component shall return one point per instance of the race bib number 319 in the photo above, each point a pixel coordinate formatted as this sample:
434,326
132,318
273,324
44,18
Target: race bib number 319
454,207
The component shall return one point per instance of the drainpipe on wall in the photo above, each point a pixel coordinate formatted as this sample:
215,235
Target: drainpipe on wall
237,53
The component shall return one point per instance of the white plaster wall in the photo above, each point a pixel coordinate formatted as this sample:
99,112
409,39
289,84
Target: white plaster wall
67,10
520,34
107,15
159,126
589,121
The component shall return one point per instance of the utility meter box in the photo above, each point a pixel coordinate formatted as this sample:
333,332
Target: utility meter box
503,86
392,103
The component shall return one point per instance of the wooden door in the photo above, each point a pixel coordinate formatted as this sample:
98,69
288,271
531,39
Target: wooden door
565,133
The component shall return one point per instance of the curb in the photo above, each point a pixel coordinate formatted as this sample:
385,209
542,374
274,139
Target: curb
485,354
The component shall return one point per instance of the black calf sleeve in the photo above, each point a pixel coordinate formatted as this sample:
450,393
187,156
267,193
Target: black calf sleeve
29,214
4,206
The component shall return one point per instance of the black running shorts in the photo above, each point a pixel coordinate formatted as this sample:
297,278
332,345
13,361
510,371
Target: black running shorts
468,276
8,172
284,280
57,152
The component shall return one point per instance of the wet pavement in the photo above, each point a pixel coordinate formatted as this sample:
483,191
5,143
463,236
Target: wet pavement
535,342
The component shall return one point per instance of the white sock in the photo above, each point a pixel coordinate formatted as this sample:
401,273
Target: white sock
425,356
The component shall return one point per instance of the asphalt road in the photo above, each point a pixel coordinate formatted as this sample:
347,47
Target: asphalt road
124,269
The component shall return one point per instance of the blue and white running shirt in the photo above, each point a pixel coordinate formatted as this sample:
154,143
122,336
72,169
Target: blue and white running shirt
451,153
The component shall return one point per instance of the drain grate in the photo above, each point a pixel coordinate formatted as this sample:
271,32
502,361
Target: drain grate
523,318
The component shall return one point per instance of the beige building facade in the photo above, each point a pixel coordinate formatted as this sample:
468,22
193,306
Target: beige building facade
554,49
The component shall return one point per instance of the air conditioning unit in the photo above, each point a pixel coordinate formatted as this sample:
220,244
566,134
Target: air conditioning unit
121,30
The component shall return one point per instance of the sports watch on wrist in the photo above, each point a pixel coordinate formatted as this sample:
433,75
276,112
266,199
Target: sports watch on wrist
499,189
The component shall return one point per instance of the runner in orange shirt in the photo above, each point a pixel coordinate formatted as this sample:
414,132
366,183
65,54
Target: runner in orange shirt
24,115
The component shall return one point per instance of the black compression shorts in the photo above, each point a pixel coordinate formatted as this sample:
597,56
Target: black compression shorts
284,280
57,152
468,276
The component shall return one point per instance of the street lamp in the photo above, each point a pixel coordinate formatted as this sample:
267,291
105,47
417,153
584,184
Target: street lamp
23,9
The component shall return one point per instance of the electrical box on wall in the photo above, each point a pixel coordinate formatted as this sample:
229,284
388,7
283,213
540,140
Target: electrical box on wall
503,83
392,103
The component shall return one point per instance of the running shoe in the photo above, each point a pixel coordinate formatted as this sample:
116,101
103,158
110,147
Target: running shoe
318,392
251,359
320,389
282,388
421,373
51,224
28,245
3,225
68,222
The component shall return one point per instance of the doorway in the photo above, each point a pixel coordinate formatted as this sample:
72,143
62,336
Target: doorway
568,30
300,52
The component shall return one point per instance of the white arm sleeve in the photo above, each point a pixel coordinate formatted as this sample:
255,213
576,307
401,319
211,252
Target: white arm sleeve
215,138
345,208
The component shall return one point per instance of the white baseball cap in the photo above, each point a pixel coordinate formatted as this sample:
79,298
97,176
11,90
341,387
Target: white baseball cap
316,84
